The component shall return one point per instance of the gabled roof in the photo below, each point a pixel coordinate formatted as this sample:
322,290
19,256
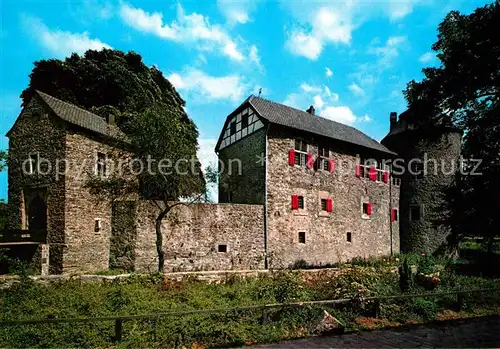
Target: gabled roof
80,117
283,115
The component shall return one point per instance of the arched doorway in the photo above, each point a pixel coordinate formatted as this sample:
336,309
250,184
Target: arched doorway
37,214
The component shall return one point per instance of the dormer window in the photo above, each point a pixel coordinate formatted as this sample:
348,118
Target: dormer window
101,165
301,153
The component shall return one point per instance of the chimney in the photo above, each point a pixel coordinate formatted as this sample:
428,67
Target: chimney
393,118
311,110
110,119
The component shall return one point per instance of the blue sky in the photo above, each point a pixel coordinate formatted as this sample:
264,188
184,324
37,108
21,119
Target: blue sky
350,59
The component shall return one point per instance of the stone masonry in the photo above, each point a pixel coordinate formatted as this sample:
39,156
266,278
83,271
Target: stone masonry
325,232
202,237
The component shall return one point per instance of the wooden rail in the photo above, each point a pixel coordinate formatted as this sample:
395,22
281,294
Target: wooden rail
120,319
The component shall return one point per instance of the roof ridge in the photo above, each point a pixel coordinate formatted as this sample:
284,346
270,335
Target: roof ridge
67,103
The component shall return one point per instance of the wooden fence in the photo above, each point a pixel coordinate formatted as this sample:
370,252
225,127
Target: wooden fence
118,320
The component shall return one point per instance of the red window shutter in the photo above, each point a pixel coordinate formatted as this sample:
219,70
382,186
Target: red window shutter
329,205
310,161
358,170
369,209
291,157
331,166
393,215
386,176
295,202
373,173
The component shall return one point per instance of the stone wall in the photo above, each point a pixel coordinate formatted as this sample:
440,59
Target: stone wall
192,236
37,130
246,187
430,191
325,233
87,250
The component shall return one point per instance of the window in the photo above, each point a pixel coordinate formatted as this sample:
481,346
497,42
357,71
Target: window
300,153
349,237
418,168
367,209
244,120
101,165
33,163
396,181
97,225
301,202
232,128
222,248
323,155
324,203
394,215
302,237
415,212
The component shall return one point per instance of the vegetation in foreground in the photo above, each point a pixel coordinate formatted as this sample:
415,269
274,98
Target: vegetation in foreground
146,294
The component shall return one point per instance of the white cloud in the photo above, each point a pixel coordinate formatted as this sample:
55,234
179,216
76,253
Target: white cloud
328,72
305,45
237,12
61,43
398,9
318,102
324,101
354,88
232,87
427,57
320,24
340,114
309,88
206,155
389,51
193,29
254,57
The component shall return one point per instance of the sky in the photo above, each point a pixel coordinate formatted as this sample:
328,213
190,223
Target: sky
350,59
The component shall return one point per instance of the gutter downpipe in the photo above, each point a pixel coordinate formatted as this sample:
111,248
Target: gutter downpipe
266,263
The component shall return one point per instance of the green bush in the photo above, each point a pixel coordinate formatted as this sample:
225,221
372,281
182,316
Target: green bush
427,309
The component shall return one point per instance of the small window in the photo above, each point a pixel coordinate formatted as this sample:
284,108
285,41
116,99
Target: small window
323,151
244,120
33,163
395,214
349,237
101,165
97,226
324,204
366,208
415,212
222,248
396,181
302,237
418,169
36,115
229,196
300,145
301,202
232,128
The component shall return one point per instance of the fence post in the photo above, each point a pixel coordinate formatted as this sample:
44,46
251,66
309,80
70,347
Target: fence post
118,330
460,301
377,308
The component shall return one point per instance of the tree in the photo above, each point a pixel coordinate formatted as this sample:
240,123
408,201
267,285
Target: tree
149,111
3,160
465,89
103,81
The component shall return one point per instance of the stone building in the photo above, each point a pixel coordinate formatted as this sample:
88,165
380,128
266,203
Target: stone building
323,200
293,187
429,161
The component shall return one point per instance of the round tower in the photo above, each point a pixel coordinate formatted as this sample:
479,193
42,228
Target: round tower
427,165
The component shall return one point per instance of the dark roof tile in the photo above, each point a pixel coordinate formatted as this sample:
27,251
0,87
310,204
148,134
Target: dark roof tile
82,118
287,116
